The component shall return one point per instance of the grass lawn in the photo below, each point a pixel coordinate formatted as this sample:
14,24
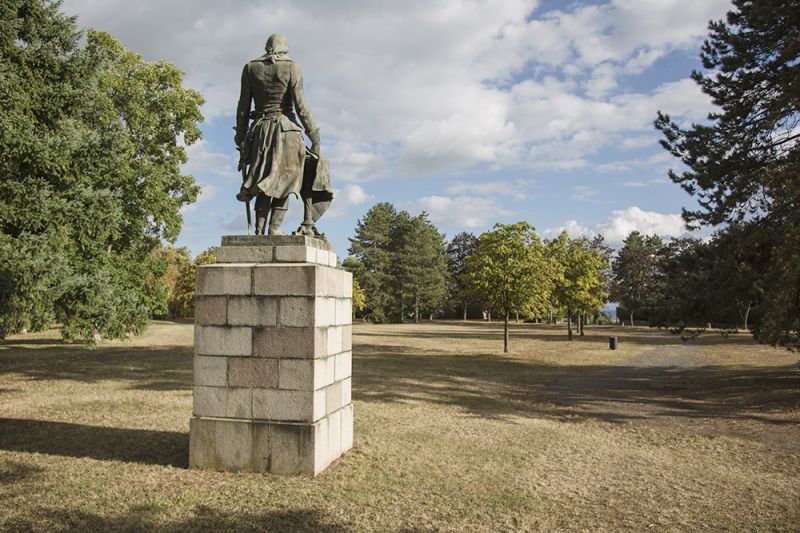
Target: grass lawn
450,435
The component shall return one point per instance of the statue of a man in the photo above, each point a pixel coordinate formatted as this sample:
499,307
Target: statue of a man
273,154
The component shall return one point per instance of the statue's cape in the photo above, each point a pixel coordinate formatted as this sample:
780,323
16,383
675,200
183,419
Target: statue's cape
316,174
317,185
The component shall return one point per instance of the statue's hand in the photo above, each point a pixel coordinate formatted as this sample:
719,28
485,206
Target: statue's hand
314,136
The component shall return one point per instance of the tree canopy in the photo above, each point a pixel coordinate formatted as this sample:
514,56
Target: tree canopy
399,262
511,272
743,164
635,282
581,286
458,250
91,143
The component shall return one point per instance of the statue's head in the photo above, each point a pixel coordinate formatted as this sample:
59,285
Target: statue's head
277,44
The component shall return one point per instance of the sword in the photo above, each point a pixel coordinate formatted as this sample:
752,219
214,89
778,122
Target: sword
247,205
243,168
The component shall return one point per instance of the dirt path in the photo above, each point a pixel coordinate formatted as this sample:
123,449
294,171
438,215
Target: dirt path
686,355
680,388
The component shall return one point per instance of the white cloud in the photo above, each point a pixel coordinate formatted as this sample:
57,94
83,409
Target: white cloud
640,141
460,211
622,222
202,157
657,163
346,197
644,183
207,192
440,94
516,189
573,229
583,193
629,32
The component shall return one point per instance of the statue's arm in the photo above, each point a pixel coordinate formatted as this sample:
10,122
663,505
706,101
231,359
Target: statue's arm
302,109
243,109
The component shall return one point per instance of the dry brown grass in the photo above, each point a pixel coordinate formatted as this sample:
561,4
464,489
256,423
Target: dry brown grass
451,435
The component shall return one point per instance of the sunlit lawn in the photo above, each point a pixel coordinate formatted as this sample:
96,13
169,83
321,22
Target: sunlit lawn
450,435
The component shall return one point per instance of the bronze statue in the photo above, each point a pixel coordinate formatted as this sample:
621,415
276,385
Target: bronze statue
274,160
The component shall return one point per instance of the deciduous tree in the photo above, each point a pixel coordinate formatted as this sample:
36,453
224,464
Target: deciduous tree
580,287
91,143
511,272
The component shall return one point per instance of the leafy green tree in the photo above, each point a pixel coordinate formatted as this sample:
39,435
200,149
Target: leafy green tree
458,250
511,271
181,304
359,298
177,283
743,164
91,143
181,277
635,269
707,282
580,289
206,257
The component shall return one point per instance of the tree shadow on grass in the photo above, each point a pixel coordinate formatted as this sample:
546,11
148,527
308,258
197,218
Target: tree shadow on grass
493,387
166,448
158,368
594,334
13,472
146,518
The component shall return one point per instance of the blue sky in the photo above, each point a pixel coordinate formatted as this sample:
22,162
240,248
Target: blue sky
474,111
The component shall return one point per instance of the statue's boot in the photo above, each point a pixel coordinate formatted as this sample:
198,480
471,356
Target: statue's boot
276,220
261,222
263,204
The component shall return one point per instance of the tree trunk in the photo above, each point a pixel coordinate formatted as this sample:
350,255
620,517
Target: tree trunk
430,316
416,309
505,333
581,320
516,317
631,318
489,315
747,316
465,309
569,324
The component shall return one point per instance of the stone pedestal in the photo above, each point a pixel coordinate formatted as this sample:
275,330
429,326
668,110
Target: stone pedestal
272,359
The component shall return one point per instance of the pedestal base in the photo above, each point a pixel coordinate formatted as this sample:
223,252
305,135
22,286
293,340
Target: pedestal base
287,448
272,358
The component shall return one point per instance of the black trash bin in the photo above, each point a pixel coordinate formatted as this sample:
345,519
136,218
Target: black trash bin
612,343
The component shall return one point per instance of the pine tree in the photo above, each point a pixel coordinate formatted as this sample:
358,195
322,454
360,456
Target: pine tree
371,261
743,165
421,265
636,282
459,249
